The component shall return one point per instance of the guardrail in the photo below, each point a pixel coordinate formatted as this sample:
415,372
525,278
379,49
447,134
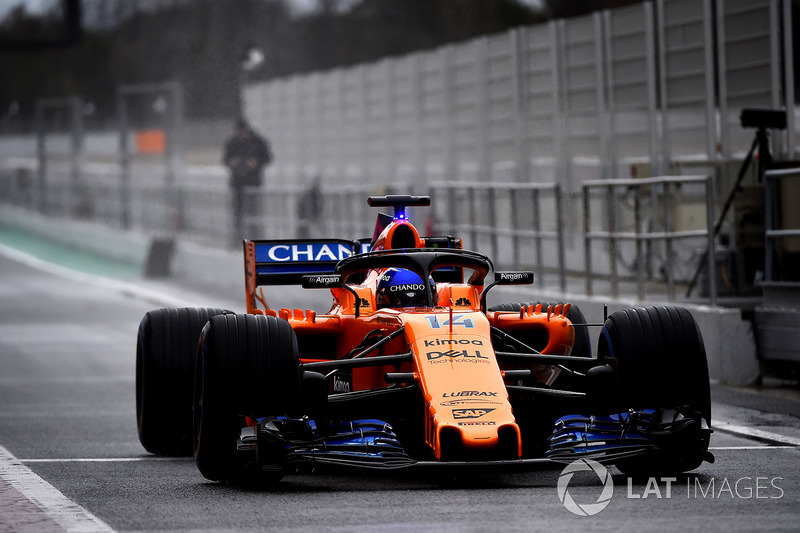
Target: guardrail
771,233
510,211
519,225
612,235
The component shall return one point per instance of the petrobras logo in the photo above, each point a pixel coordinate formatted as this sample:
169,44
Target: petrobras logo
407,287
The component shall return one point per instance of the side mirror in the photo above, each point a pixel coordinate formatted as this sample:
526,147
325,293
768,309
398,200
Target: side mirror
515,277
331,281
322,281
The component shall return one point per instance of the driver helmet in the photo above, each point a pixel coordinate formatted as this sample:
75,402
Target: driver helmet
399,287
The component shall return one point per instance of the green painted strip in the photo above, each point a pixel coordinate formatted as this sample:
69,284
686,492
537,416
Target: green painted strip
66,256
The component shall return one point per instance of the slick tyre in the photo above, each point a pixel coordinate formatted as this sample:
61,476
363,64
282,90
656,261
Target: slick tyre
247,365
165,358
583,343
660,363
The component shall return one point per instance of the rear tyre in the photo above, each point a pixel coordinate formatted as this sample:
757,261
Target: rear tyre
247,366
661,363
583,343
165,358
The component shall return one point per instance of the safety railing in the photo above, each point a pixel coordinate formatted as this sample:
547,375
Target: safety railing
505,220
661,192
771,233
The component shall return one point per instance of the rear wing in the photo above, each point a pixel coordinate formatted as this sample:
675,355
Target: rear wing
285,262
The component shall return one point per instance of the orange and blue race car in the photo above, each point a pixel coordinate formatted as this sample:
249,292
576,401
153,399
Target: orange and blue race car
409,369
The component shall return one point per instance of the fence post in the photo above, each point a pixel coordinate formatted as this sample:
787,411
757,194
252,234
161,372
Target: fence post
668,241
640,260
537,230
514,232
611,220
587,243
562,275
711,261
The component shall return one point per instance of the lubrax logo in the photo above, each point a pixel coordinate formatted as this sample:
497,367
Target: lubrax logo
465,393
470,413
450,342
455,354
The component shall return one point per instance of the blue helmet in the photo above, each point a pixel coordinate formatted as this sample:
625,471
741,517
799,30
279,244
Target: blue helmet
399,287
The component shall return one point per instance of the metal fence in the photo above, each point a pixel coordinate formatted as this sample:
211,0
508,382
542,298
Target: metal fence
654,195
640,236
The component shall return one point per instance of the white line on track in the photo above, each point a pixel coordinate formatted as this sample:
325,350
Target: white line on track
66,513
765,447
754,433
104,459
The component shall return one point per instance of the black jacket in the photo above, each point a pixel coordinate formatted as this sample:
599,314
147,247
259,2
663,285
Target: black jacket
246,155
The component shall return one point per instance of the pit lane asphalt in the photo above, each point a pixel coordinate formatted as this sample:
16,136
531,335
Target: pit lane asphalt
67,350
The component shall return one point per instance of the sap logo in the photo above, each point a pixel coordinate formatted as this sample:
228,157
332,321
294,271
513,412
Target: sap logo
458,320
465,393
432,356
450,342
308,252
470,413
476,423
463,302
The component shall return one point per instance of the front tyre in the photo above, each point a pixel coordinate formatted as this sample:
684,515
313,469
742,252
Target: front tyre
660,364
247,366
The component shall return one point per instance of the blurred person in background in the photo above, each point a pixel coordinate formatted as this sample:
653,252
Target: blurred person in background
246,155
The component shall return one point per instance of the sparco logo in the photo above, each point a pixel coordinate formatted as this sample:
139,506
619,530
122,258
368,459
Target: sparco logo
450,342
455,354
470,413
465,393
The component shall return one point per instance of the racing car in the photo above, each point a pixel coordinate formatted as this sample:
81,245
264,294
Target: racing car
410,369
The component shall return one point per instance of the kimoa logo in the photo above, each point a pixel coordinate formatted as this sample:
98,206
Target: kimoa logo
585,509
450,342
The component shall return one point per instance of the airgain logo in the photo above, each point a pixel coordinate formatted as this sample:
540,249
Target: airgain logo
585,509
